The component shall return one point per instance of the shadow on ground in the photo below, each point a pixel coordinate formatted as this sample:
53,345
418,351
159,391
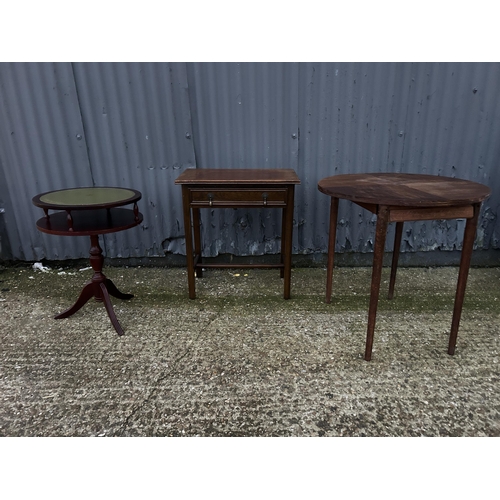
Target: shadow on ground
241,361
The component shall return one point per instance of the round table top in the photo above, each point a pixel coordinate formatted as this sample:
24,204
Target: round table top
86,198
406,190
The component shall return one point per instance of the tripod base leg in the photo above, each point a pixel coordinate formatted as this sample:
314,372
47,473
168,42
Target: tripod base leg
114,292
109,309
86,294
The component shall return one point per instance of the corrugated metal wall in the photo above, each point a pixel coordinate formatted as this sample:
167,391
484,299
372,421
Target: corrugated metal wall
142,124
40,121
441,119
245,116
85,124
138,132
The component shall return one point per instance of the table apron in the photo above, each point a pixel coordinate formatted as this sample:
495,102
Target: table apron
237,197
414,214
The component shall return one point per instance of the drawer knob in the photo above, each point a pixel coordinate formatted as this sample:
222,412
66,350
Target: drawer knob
264,199
210,199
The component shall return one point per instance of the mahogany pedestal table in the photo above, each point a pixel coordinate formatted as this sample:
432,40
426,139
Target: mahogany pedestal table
398,198
234,188
90,212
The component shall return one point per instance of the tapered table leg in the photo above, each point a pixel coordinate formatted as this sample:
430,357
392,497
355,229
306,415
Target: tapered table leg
395,258
288,242
189,242
197,239
334,209
382,221
283,242
465,258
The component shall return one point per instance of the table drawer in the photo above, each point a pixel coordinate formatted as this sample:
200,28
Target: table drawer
238,197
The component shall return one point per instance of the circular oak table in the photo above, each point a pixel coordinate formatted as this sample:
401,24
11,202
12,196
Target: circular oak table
398,198
91,211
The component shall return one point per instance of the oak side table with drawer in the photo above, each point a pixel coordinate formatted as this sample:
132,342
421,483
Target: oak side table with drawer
236,188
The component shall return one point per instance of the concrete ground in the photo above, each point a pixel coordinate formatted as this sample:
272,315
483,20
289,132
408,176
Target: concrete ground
241,361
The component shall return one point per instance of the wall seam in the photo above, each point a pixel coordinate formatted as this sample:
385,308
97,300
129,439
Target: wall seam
194,129
84,129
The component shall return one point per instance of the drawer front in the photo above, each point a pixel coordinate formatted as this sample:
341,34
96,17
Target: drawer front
238,197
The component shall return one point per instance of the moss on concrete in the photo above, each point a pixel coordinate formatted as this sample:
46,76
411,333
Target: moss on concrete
241,361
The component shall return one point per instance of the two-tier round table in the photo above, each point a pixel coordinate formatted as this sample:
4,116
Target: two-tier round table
398,198
91,211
